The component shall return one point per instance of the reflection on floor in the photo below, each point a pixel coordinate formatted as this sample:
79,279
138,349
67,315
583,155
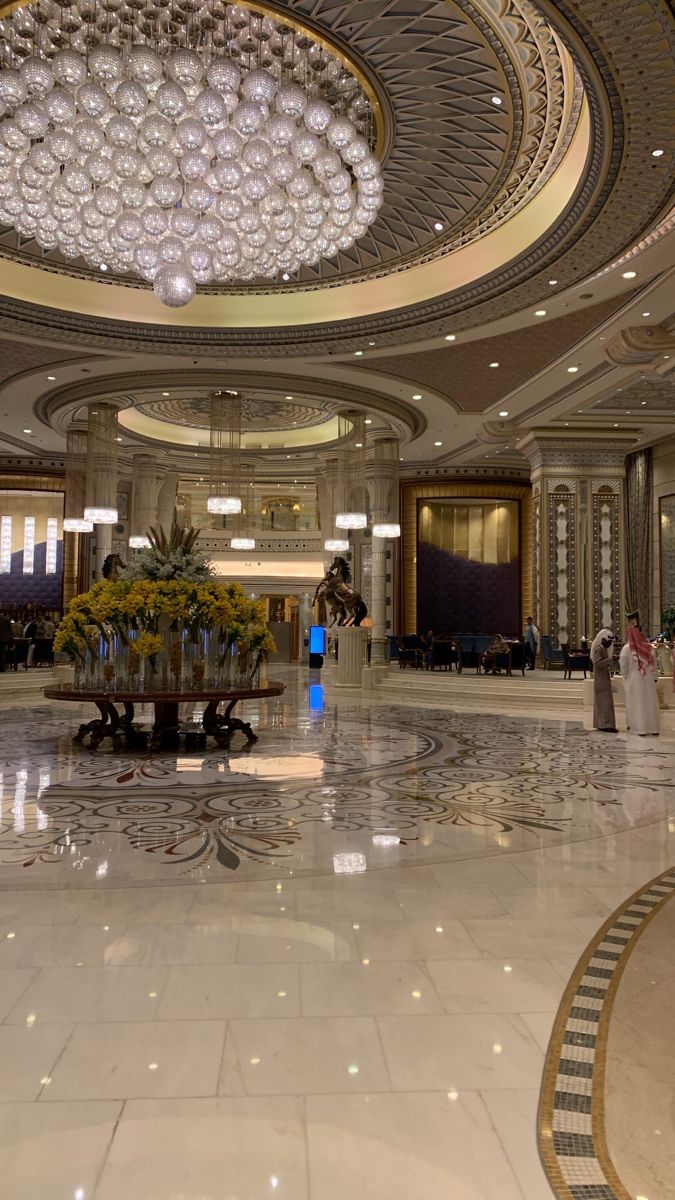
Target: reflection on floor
329,965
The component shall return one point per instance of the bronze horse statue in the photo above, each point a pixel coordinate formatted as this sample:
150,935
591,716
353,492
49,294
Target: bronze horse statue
347,606
112,565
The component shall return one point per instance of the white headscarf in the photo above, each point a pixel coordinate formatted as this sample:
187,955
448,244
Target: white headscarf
603,635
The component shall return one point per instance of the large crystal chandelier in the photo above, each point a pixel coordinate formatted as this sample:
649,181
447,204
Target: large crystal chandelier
181,141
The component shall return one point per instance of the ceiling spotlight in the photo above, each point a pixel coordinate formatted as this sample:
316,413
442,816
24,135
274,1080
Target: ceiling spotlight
438,226
616,426
494,364
572,370
629,275
28,431
417,395
438,443
285,277
450,337
504,412
540,312
358,353
289,397
51,378
103,266
497,100
657,153
552,282
647,314
118,439
368,421
166,393
371,343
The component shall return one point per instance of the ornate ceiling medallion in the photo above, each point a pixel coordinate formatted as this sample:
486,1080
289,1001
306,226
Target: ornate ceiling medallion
188,144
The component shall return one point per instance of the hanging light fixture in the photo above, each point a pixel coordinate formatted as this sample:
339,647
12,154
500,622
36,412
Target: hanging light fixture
225,453
76,483
336,545
243,537
101,507
207,143
352,471
138,541
386,529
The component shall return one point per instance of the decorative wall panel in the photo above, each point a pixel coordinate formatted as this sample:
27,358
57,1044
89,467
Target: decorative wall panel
606,558
563,564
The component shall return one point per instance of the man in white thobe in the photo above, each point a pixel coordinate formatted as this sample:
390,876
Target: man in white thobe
639,671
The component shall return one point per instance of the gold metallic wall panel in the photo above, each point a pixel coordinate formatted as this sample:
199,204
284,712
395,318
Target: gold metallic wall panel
411,493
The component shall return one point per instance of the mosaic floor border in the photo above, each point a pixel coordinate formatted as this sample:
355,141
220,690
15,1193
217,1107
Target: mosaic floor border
571,1127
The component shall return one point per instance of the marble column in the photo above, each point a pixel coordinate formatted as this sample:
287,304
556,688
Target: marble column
578,532
102,471
147,476
166,501
75,545
383,488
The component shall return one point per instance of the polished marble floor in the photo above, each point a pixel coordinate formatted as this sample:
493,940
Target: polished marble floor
327,965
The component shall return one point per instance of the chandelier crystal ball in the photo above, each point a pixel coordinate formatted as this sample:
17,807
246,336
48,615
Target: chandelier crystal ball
247,157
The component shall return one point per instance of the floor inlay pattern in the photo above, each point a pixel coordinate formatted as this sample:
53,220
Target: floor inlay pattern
572,1134
317,786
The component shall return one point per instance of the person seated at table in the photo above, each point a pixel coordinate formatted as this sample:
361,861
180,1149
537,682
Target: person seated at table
6,640
497,646
427,640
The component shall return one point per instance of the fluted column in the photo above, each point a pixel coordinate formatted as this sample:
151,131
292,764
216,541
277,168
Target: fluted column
147,477
577,533
166,501
383,487
102,471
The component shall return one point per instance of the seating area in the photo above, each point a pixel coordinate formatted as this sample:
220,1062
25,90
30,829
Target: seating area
472,651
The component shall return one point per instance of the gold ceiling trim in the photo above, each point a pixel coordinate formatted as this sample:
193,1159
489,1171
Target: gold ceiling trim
398,290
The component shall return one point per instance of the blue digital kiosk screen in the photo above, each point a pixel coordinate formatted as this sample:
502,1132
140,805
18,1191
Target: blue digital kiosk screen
317,639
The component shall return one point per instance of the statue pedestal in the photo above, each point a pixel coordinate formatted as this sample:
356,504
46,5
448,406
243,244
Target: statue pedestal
352,653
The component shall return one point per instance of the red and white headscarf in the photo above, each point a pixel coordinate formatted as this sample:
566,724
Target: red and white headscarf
641,647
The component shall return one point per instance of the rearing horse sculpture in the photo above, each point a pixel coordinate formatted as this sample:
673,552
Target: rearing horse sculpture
346,605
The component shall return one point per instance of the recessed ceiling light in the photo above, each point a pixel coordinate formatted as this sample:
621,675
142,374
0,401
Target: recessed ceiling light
289,397
540,312
450,337
494,364
616,426
646,314
28,431
572,370
368,421
438,443
657,153
629,275
118,439
644,402
103,266
504,412
166,393
438,226
371,343
552,282
497,100
417,395
51,378
358,353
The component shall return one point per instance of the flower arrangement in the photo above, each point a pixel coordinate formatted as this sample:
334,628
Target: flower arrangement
188,617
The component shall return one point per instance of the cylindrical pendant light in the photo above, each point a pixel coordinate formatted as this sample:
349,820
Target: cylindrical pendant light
76,483
101,506
351,470
225,453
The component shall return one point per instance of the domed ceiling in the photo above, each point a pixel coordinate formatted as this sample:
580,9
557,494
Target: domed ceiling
512,136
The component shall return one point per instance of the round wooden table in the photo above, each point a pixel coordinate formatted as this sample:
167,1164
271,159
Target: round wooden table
166,730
